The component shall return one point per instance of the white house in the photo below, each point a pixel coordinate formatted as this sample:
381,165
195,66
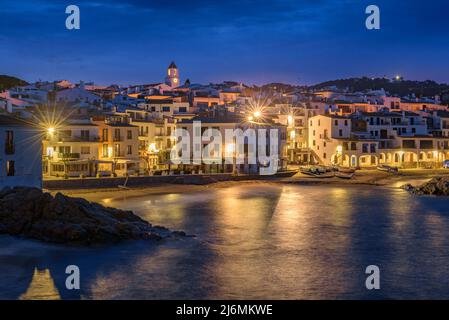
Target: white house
20,154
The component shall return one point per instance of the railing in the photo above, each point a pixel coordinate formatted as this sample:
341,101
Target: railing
68,155
79,139
115,138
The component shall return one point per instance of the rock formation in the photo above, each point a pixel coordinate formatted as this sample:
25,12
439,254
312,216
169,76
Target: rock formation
437,186
31,213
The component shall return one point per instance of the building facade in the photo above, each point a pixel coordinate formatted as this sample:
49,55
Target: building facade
20,154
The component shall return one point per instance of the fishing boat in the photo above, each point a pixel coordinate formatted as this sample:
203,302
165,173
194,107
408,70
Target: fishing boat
384,167
346,170
286,173
316,173
344,176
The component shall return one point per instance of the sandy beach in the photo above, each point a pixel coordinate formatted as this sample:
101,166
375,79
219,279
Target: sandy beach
362,177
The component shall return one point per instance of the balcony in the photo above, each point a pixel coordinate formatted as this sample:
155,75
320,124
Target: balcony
79,139
117,139
68,156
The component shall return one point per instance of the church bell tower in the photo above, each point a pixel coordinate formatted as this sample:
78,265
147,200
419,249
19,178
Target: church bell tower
172,78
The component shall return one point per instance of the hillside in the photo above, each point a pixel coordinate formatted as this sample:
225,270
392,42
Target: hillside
7,82
401,87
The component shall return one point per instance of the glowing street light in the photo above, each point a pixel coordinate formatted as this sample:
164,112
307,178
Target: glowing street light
339,149
51,130
290,120
257,114
230,148
250,118
152,148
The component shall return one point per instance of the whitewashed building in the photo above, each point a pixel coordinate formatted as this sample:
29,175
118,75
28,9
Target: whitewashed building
20,154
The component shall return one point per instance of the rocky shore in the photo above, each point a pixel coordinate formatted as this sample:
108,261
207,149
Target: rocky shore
437,186
31,213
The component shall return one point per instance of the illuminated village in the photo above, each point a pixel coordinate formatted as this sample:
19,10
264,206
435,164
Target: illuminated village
89,131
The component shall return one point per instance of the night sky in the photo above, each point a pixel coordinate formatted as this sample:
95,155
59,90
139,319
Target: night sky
295,41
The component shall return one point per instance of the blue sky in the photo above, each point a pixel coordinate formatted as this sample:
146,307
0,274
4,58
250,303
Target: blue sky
295,41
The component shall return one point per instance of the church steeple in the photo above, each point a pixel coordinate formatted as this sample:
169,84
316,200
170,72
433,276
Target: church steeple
172,78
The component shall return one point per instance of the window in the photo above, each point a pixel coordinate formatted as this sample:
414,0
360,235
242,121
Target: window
117,134
116,150
182,109
65,134
340,133
85,150
85,135
346,123
105,150
165,109
336,122
129,134
10,171
324,155
129,150
365,148
9,142
64,149
105,134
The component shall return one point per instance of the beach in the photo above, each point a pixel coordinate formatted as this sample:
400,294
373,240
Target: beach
362,177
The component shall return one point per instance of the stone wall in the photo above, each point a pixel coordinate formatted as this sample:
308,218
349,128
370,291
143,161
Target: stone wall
90,183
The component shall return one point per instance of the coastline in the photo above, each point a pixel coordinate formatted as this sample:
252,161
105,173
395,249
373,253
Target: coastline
363,177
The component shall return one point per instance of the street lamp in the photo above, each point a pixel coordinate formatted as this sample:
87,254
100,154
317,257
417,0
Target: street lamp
290,120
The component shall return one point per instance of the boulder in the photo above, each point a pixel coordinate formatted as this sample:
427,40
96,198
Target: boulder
31,213
437,186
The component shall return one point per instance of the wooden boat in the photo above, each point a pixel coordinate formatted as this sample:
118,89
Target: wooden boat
316,173
286,174
386,168
344,176
346,170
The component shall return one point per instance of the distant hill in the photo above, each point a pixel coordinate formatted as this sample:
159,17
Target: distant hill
401,87
7,82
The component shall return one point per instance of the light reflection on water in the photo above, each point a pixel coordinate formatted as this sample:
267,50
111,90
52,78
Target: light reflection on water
261,241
